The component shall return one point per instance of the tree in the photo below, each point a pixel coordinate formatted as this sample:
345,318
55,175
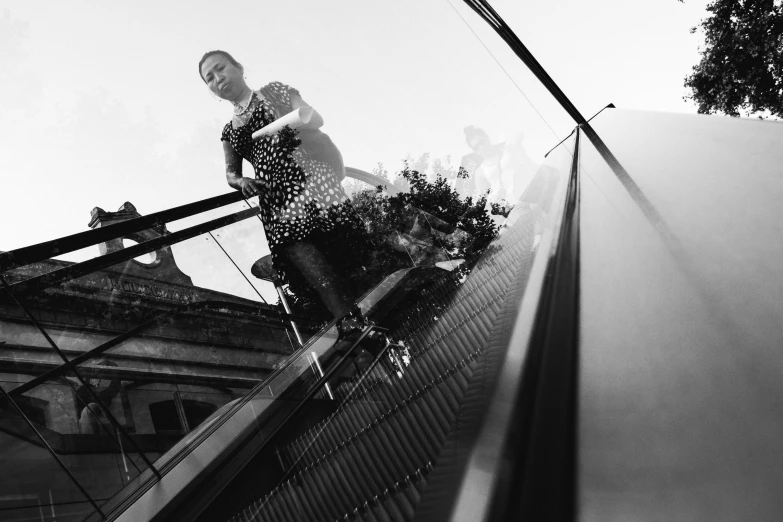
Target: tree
741,68
387,217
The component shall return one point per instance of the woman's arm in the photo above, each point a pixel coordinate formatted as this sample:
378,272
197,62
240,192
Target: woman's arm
316,121
249,187
233,166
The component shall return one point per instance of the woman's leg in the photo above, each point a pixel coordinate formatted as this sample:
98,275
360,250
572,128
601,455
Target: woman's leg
315,268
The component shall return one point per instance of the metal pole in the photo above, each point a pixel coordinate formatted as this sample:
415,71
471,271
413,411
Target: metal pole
488,14
287,309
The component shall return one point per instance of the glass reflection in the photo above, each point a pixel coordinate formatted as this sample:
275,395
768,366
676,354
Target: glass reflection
25,496
170,340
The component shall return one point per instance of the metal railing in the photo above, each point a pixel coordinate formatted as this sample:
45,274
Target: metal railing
43,251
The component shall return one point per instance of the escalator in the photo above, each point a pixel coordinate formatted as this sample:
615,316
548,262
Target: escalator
393,447
334,429
127,397
368,450
612,354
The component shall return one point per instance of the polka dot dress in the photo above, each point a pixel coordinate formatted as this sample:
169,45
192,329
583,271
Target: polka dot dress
302,199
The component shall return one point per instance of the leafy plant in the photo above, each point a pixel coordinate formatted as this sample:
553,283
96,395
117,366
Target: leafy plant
387,217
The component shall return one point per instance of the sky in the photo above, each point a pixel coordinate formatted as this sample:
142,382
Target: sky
101,102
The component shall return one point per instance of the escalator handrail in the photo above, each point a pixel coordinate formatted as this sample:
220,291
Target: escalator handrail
48,249
258,388
66,244
528,394
105,261
146,480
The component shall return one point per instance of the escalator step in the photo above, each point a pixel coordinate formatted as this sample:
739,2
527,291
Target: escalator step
338,425
289,509
392,508
301,501
374,444
274,508
310,497
403,503
357,489
397,502
325,498
361,469
337,484
377,512
367,415
356,461
379,458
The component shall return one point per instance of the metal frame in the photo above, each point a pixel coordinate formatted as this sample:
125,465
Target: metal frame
43,251
489,15
98,263
52,452
543,482
496,458
543,487
146,477
69,366
157,319
164,502
48,249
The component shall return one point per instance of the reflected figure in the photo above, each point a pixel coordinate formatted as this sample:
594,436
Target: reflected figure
106,390
91,419
315,236
502,171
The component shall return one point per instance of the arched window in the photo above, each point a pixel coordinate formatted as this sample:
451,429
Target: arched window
148,259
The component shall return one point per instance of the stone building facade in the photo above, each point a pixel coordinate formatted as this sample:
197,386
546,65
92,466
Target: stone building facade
160,382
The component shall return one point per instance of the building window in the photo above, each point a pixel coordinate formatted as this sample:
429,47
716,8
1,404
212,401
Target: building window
148,259
179,415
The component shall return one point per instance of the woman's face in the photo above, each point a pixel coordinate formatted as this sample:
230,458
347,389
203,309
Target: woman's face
223,77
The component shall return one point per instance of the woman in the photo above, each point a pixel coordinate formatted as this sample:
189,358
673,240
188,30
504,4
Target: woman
314,234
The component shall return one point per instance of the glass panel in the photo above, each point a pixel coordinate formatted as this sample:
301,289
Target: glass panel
73,410
26,460
415,104
388,421
96,453
57,407
214,338
218,261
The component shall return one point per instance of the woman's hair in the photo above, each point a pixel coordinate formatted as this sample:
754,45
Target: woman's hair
471,131
217,51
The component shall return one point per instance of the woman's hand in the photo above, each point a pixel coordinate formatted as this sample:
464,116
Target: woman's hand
250,187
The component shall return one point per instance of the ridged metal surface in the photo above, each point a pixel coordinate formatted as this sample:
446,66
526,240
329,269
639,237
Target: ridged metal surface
370,459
